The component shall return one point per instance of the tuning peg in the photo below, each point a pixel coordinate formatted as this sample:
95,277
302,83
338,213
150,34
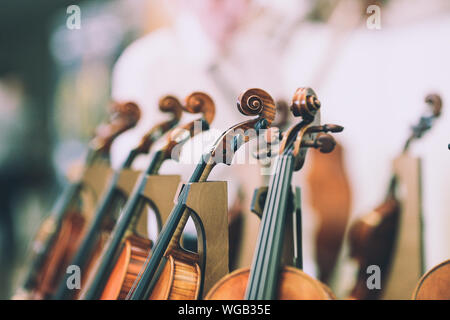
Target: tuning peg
324,142
325,128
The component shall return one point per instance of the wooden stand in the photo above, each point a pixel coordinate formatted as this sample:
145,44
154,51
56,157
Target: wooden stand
159,191
94,182
407,261
209,211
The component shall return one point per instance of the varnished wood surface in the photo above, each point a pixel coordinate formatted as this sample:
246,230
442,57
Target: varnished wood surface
435,284
372,242
62,252
127,267
294,284
180,278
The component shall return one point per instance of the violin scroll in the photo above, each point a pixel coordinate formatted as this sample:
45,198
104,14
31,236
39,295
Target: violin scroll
198,102
305,103
257,102
124,116
250,102
127,111
426,121
171,104
167,104
435,102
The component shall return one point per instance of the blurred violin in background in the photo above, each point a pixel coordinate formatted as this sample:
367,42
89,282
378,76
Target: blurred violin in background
125,250
373,236
60,234
112,199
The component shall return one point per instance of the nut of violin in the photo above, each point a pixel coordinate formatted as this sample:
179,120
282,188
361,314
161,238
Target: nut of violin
257,102
305,103
201,102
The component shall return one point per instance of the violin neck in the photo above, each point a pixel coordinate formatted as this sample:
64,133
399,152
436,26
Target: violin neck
264,272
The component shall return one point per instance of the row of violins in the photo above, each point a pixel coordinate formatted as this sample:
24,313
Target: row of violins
119,263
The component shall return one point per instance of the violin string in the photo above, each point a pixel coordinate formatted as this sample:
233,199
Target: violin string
269,219
267,261
263,237
274,251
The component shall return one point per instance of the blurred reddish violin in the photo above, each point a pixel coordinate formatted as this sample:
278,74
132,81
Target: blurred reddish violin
60,234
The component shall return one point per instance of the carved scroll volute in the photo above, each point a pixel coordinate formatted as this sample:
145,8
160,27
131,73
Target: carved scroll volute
124,116
435,102
197,102
306,105
252,102
167,104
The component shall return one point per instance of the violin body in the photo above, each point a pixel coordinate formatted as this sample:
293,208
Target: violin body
126,270
372,241
67,241
293,284
435,284
180,278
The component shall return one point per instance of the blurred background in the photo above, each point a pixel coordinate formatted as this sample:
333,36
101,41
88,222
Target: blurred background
371,76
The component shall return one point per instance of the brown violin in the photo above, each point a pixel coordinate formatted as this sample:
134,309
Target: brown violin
373,236
125,250
60,234
267,279
170,272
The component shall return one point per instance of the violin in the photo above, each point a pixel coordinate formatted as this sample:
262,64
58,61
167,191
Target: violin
61,232
112,199
435,284
267,279
373,236
170,272
330,196
125,250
